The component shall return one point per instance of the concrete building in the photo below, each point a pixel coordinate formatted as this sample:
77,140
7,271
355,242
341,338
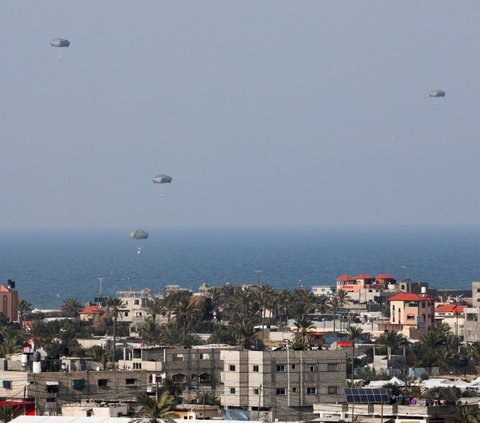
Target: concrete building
9,301
453,315
284,383
94,409
133,302
198,368
326,290
54,389
471,329
412,314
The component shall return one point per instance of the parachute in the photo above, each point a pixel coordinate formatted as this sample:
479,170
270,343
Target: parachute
437,93
162,179
138,235
59,42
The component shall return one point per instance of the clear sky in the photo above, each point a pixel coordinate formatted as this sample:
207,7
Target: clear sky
264,112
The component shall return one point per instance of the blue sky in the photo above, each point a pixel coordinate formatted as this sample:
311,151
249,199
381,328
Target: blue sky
264,113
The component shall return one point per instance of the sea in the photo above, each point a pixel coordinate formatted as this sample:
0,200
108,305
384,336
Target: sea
49,265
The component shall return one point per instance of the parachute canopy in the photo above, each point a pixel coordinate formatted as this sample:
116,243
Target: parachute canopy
437,93
59,42
162,179
138,234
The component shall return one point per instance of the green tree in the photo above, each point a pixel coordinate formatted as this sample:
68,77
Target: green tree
154,307
266,297
303,326
71,307
354,334
245,331
150,331
114,306
392,340
158,409
100,355
24,310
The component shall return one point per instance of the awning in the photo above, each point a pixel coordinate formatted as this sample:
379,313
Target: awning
52,383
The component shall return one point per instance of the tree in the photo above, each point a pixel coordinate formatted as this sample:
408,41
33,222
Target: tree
245,330
170,334
160,408
466,414
114,305
354,334
149,331
266,296
24,309
153,307
185,311
7,412
39,334
100,355
392,340
303,326
71,307
12,340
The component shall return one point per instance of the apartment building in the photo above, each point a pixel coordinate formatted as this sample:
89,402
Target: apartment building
284,383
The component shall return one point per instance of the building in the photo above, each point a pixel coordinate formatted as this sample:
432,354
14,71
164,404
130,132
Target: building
326,290
90,312
197,369
132,310
453,315
285,383
411,314
54,389
94,409
9,301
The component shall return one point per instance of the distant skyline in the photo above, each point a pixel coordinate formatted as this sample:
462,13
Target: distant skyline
264,113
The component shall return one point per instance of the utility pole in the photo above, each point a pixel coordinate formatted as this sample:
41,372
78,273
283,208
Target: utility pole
258,271
259,398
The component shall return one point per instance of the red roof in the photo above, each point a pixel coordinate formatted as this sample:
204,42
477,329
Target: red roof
384,276
405,296
4,289
364,276
344,343
450,308
345,277
91,310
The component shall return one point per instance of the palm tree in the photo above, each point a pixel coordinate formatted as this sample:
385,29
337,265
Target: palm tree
153,307
100,355
266,296
13,340
71,307
354,333
170,334
392,340
245,330
338,301
149,331
24,308
302,328
473,352
39,334
158,408
185,311
466,414
114,305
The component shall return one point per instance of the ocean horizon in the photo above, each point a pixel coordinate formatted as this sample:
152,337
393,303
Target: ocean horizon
51,264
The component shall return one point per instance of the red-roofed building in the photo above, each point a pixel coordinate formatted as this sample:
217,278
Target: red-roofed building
338,345
89,313
9,301
385,279
362,288
412,313
453,315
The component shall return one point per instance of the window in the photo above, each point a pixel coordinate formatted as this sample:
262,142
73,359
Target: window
293,366
102,383
311,390
130,381
232,390
126,314
332,367
137,366
332,390
311,368
256,391
294,389
231,367
280,391
255,368
78,384
136,302
204,356
280,368
410,317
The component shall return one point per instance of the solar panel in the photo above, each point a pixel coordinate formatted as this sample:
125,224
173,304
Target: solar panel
367,395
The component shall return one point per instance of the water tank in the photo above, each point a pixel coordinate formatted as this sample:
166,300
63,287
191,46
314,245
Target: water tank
36,357
10,284
24,361
37,367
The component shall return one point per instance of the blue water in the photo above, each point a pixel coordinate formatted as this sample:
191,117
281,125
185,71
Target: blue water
50,265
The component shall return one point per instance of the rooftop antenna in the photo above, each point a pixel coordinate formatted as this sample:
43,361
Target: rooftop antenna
258,271
100,280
